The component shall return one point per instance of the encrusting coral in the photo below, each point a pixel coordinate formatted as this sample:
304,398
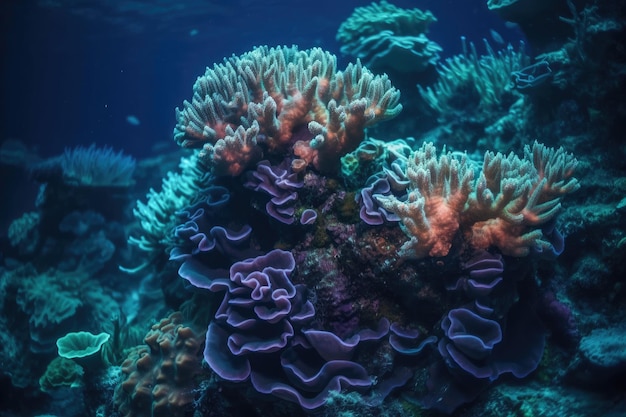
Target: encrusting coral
160,374
263,101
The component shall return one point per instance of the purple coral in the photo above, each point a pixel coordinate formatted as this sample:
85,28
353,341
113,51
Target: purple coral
371,212
308,216
470,338
559,319
259,335
483,272
476,351
405,340
201,231
281,184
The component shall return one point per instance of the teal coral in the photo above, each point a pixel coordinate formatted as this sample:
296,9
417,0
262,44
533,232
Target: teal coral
61,372
471,83
23,231
97,167
385,36
157,216
36,291
81,344
384,16
53,300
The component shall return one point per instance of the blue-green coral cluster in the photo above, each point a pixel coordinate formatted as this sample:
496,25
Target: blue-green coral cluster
97,167
384,36
470,83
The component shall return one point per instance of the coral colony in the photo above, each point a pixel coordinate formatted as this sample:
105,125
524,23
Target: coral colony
272,127
300,266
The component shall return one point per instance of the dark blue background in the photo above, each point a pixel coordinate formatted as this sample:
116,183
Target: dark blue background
70,80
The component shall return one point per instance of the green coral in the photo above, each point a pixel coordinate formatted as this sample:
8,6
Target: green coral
23,231
81,344
469,83
157,216
369,20
61,372
48,298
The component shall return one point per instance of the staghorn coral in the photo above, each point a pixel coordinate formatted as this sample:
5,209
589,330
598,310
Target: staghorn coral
506,207
438,191
255,103
160,374
385,37
514,197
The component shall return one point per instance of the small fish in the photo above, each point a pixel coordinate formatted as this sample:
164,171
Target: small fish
193,32
133,120
497,38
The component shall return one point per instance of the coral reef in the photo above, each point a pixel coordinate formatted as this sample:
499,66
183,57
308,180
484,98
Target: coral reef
315,270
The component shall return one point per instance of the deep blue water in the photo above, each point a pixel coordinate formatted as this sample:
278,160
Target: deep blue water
72,74
106,72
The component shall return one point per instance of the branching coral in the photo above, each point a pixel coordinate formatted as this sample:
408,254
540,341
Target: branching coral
157,217
469,81
255,103
514,197
506,207
439,188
